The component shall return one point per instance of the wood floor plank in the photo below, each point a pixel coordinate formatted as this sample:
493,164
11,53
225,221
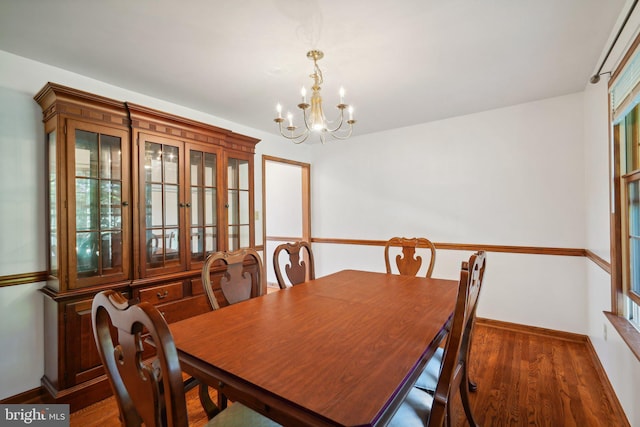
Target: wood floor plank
524,379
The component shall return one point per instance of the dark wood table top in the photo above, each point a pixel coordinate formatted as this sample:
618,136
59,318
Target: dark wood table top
343,349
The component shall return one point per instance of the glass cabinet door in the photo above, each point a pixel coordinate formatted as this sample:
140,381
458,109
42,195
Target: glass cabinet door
203,183
161,203
238,203
100,197
52,158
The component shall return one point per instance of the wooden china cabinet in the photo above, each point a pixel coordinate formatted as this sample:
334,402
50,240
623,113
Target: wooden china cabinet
137,199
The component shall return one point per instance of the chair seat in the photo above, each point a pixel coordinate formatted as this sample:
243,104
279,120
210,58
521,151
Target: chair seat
238,415
428,379
414,411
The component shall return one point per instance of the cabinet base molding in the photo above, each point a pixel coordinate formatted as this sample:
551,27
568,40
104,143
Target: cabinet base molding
80,396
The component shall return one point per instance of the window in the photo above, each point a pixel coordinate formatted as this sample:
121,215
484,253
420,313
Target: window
625,112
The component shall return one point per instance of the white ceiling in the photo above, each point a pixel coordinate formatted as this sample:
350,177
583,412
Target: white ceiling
401,62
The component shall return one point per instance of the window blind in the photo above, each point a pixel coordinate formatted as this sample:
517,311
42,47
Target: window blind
625,90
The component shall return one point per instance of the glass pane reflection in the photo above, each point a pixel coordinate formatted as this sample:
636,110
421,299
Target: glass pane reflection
233,207
153,162
86,153
210,205
633,195
244,236
171,205
111,251
110,205
211,240
232,173
170,159
110,157
234,241
196,163
87,253
244,207
210,170
86,204
196,211
634,255
172,247
197,244
153,205
243,174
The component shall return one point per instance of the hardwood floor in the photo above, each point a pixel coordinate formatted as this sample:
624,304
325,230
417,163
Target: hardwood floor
524,379
105,412
535,379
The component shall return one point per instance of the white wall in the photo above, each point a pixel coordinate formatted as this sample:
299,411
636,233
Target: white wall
21,338
22,226
21,187
512,176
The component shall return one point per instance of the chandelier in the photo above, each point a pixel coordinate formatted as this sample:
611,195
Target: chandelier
313,115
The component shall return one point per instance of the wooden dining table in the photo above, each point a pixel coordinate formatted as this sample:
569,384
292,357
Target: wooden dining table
340,350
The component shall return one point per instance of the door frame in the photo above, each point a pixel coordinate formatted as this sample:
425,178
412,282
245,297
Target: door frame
306,202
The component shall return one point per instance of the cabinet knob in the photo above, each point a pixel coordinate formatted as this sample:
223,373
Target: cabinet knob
163,295
188,205
125,203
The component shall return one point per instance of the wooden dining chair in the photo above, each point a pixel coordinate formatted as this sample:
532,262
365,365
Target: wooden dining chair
423,409
428,380
149,392
300,266
408,263
243,277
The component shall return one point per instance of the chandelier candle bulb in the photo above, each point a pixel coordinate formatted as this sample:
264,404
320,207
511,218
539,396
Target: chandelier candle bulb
350,113
303,92
341,95
279,110
290,117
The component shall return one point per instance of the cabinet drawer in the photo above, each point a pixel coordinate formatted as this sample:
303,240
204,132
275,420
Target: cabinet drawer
162,294
185,308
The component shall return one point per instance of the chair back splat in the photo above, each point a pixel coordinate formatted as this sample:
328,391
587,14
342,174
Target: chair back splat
238,283
408,263
300,267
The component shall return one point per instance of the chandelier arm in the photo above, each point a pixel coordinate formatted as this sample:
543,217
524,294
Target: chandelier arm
306,135
295,138
336,136
304,118
340,123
